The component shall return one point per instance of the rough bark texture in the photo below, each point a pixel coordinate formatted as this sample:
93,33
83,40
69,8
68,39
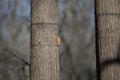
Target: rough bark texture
108,22
44,33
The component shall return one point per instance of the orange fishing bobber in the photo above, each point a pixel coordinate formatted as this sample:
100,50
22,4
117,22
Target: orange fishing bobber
58,40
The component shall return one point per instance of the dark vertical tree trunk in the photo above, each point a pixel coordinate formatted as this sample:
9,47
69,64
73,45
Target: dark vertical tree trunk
108,22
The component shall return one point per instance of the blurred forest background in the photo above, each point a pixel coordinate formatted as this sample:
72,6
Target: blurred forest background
14,39
77,32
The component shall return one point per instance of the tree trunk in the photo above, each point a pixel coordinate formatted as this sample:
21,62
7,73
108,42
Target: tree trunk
108,22
44,47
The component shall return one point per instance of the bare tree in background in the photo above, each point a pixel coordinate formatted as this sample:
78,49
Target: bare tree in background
14,39
77,30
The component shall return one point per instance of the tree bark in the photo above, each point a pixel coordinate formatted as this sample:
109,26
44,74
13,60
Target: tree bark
108,23
44,47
